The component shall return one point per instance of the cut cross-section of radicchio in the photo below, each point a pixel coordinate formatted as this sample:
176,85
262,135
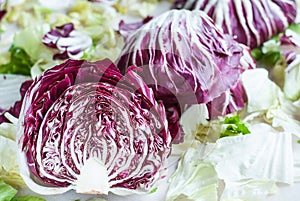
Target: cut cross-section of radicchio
249,22
69,42
85,126
187,60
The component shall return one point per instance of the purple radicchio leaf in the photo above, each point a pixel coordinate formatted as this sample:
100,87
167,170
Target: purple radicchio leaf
78,111
125,29
290,47
186,60
2,13
249,22
69,42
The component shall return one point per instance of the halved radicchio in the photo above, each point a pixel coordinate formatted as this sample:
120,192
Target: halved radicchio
249,22
87,127
187,60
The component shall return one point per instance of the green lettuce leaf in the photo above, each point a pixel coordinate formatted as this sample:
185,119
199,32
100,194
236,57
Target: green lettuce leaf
9,169
20,62
249,189
6,192
235,127
33,45
28,198
194,179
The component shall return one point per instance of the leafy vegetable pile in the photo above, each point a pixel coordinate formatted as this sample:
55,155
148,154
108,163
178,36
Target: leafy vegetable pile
217,85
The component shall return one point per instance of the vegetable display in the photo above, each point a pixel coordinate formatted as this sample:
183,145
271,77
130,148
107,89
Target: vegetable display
81,117
249,22
187,60
130,100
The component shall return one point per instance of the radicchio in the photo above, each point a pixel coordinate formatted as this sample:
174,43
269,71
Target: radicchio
187,60
69,42
290,48
2,11
249,22
125,29
79,112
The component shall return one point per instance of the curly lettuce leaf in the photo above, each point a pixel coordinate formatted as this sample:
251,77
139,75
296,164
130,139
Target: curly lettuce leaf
20,62
194,179
9,169
249,189
270,102
248,156
33,45
6,192
234,126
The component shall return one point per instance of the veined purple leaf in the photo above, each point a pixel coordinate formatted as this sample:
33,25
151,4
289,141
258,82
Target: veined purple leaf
125,29
81,115
249,22
186,59
69,42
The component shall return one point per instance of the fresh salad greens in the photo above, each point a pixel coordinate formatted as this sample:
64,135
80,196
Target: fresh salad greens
8,193
20,62
234,127
240,140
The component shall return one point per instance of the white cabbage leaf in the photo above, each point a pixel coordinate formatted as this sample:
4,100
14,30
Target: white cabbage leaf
194,179
264,154
249,189
270,101
9,168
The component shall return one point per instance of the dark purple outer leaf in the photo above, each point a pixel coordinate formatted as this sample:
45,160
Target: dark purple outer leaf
125,29
2,13
186,60
79,110
249,22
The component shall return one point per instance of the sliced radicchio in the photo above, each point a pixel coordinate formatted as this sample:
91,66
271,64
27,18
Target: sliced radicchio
249,22
69,42
87,127
187,60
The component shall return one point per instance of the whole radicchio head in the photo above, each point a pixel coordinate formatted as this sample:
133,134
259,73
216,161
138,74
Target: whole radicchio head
187,60
69,42
249,22
85,126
